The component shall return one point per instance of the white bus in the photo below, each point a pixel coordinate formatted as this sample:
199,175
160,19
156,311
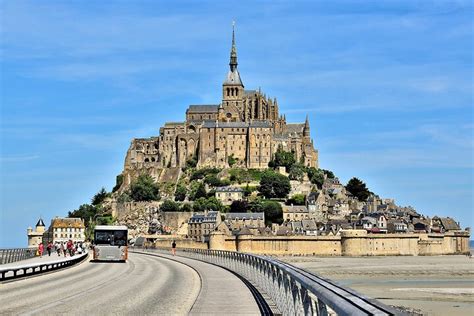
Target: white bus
110,243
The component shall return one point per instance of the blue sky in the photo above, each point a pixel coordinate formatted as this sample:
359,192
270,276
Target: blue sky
387,86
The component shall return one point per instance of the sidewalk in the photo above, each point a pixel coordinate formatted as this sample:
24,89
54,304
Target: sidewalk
53,258
221,291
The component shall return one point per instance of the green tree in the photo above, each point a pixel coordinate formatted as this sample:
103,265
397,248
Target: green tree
316,176
200,192
274,185
211,204
99,197
283,159
186,207
297,172
358,189
180,193
297,199
239,206
118,182
169,206
85,211
272,209
144,189
328,173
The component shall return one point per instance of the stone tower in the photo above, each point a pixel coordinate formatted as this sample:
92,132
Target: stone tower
35,237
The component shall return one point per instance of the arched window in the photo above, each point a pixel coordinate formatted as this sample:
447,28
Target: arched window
152,159
147,160
236,92
228,91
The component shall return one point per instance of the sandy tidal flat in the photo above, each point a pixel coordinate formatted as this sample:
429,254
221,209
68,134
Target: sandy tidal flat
435,285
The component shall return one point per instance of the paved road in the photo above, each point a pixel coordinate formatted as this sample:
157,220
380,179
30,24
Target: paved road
145,285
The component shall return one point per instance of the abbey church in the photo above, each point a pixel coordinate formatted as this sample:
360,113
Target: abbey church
246,126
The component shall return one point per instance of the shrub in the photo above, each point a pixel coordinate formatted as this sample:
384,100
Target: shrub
297,199
169,206
297,172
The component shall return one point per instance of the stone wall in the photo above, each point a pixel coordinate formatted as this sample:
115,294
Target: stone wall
165,241
349,243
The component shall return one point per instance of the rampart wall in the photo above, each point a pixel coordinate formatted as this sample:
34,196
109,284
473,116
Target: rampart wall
349,243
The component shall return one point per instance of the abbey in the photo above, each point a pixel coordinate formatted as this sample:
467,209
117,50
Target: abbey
245,126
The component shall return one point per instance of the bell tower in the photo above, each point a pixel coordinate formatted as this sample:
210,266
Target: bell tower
233,88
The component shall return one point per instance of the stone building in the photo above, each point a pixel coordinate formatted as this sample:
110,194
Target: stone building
245,124
200,225
229,194
64,229
238,221
35,237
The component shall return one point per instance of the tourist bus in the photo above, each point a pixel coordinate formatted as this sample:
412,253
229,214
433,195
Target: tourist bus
110,243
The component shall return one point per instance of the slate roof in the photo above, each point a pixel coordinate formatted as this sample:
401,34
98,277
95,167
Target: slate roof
40,222
295,209
295,128
237,216
260,124
203,108
254,124
203,218
309,224
449,223
229,189
233,78
67,222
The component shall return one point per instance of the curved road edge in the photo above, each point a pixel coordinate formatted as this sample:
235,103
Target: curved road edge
219,284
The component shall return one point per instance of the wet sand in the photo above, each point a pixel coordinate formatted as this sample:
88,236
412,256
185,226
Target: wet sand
435,285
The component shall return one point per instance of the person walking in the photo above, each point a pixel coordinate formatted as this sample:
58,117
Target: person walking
41,249
58,249
63,249
49,248
173,247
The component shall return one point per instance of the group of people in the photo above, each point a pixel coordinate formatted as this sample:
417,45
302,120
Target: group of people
70,247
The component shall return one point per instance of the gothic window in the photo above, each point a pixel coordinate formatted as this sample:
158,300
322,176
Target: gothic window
147,160
152,159
236,92
227,91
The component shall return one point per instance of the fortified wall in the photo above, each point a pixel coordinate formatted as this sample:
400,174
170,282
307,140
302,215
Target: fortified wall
349,243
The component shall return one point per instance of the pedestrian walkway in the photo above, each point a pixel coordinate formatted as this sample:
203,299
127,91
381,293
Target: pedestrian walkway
221,291
37,260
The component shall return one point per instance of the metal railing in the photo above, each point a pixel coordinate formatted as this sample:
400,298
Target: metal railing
292,290
20,271
16,254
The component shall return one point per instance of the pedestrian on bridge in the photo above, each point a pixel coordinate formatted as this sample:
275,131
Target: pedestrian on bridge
49,248
173,247
63,249
41,249
58,249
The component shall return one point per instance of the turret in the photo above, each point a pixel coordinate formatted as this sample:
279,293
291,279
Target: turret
306,132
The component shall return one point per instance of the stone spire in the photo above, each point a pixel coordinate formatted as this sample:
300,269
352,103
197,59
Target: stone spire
233,76
306,127
233,51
